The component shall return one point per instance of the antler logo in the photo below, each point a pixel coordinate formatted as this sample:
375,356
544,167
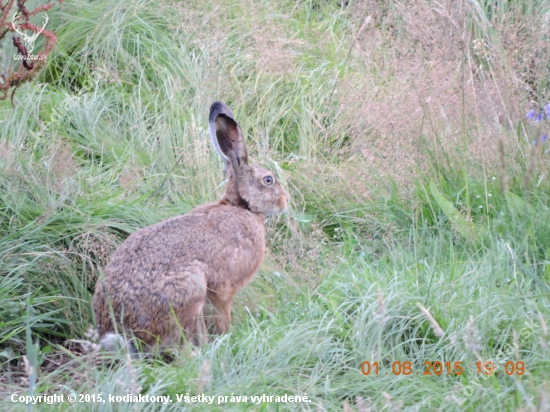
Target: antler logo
29,40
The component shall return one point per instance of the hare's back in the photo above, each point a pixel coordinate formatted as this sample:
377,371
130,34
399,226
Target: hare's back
219,236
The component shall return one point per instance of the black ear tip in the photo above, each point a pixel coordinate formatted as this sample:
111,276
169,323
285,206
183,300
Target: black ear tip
218,108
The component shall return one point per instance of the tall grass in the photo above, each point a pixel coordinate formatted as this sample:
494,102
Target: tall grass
418,228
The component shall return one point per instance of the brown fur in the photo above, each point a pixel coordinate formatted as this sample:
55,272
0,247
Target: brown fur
159,279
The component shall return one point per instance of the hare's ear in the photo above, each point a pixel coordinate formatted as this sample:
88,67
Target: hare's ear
226,135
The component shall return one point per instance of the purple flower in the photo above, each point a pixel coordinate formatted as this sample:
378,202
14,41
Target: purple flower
542,139
539,114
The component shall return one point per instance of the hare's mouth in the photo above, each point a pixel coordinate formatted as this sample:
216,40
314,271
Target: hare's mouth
281,207
275,218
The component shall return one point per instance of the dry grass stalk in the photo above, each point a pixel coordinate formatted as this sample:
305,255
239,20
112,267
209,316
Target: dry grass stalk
390,403
380,315
130,386
204,377
543,326
471,337
515,343
435,326
29,371
89,346
362,405
502,175
347,407
542,405
532,161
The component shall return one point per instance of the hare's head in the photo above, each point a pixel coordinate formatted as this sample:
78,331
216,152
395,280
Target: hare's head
251,187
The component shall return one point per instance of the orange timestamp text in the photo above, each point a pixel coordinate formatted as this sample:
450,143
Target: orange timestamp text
440,368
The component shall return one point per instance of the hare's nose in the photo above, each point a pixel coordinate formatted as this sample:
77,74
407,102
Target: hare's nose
286,194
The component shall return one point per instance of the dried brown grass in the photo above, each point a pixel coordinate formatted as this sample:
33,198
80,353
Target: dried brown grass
62,163
7,155
272,49
428,80
130,177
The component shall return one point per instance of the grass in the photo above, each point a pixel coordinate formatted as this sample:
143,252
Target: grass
418,229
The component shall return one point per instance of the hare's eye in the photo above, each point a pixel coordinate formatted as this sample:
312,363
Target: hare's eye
268,180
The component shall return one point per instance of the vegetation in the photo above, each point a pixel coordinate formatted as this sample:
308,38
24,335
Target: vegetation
412,138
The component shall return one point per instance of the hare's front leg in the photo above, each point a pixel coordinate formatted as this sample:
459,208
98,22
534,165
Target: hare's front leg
200,330
186,293
221,300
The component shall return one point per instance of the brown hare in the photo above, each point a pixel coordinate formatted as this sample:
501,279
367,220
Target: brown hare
158,281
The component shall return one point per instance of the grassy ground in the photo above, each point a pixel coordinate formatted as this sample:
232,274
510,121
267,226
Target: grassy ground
419,227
